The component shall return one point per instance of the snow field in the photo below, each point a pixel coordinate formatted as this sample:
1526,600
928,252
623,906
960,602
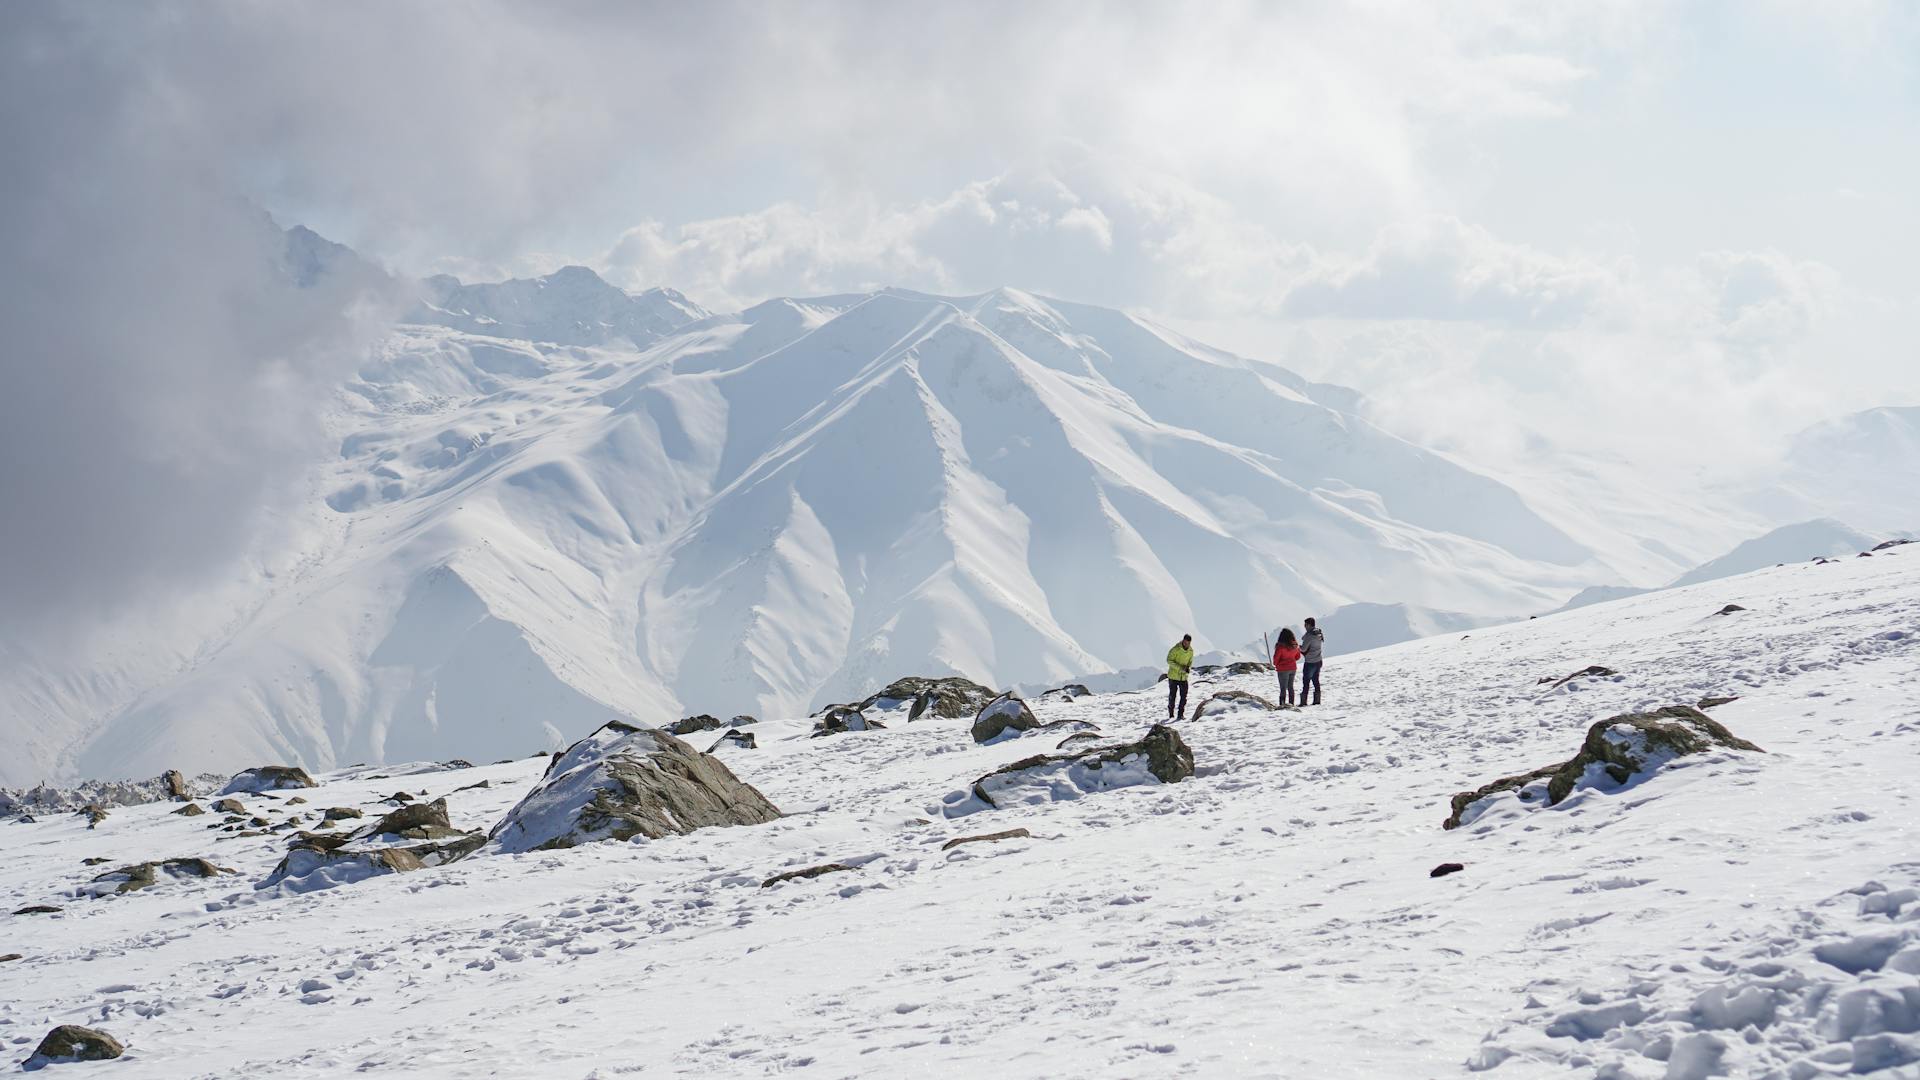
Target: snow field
1271,916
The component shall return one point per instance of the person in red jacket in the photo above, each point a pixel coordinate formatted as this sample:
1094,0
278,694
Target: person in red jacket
1286,660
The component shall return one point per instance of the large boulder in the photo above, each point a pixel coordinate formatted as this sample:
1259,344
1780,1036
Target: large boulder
70,1043
1160,757
1615,751
1006,713
623,782
951,697
268,778
175,784
147,874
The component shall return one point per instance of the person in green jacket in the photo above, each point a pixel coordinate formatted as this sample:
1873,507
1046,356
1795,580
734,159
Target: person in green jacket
1179,662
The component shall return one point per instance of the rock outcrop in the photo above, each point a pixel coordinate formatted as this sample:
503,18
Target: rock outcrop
268,778
735,737
342,813
148,874
175,783
229,806
623,782
950,697
1233,700
1160,757
1615,750
841,719
1069,692
71,1043
692,724
1006,713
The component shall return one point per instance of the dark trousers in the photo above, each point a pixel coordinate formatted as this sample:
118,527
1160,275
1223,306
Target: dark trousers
1286,688
1310,680
1177,691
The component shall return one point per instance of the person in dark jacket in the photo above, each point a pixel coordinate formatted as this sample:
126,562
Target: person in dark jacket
1179,663
1286,660
1312,646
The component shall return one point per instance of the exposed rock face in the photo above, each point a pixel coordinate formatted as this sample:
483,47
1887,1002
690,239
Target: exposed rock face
692,724
1618,749
175,784
623,782
841,719
147,874
268,778
809,872
309,868
1161,756
1001,715
1230,700
70,1043
229,806
951,697
983,838
1593,672
742,739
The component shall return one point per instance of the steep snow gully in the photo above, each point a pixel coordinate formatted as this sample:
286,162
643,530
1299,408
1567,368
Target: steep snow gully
1728,913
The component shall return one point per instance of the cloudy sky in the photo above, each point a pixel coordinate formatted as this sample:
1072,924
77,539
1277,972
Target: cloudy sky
1668,231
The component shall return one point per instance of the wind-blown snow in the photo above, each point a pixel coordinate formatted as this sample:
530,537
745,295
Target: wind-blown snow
1271,915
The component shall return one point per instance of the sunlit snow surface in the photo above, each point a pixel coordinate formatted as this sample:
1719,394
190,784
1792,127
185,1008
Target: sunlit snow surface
1271,916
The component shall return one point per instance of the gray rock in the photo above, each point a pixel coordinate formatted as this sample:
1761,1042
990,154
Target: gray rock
341,813
1229,699
624,782
692,724
841,719
176,785
743,720
229,806
70,1043
1593,672
809,872
742,739
1001,715
1004,834
950,697
410,820
1620,747
1069,692
268,778
1716,701
1163,753
148,874
37,909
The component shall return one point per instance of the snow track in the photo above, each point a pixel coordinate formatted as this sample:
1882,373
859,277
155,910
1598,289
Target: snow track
1271,916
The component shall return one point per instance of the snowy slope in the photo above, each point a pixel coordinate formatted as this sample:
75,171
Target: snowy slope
1789,543
765,512
1272,916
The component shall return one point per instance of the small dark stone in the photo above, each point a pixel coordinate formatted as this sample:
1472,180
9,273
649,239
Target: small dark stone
1593,672
1715,702
71,1042
192,809
9,958
480,786
1729,609
230,806
341,813
297,800
1004,834
1886,544
809,872
742,739
37,909
400,796
95,861
1445,868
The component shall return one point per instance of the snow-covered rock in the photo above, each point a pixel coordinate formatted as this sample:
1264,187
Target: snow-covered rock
623,782
1159,757
307,868
1001,716
1617,751
72,1043
268,778
148,874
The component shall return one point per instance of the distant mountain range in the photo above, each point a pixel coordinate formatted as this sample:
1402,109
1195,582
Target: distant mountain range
556,503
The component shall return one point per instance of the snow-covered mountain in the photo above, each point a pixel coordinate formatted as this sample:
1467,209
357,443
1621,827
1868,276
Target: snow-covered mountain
1863,469
1798,542
556,503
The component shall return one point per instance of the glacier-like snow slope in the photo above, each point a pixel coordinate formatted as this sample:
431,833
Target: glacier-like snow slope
765,512
1735,914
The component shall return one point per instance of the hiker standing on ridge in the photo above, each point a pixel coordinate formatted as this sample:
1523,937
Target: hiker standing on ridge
1311,645
1179,662
1286,657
